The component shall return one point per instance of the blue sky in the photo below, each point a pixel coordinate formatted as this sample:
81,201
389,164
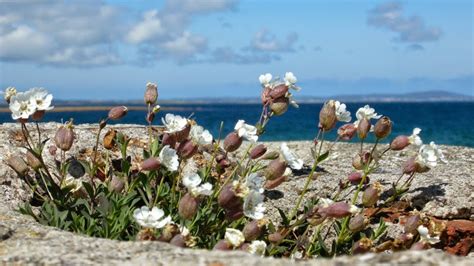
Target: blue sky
217,48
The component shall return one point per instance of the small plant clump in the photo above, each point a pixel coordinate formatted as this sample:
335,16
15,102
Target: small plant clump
195,191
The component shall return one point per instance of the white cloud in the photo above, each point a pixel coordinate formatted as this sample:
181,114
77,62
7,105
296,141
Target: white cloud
266,41
409,29
150,28
186,44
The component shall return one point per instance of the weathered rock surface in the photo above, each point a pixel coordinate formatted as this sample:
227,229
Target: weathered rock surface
445,192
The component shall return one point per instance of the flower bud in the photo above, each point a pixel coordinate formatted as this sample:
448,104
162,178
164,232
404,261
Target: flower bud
411,224
347,131
327,115
362,246
183,134
150,117
358,223
234,214
279,91
116,184
228,199
275,169
102,123
355,178
224,163
410,166
38,115
399,143
64,137
168,139
33,161
371,195
271,184
222,245
150,164
232,142
360,160
146,234
275,238
18,165
271,155
187,149
52,150
252,230
258,151
178,241
151,93
338,210
117,112
383,127
188,206
280,106
266,95
109,139
314,217
363,128
169,231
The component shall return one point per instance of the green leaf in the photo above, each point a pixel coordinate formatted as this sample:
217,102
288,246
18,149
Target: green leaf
285,220
322,157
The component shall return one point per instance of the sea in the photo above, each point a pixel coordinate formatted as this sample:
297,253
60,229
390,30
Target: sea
449,123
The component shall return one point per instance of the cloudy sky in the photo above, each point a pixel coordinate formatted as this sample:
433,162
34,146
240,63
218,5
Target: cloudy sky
213,48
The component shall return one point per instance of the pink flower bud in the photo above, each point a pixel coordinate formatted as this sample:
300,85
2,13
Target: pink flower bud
168,139
355,178
64,137
362,246
232,142
234,214
399,143
275,238
411,224
33,161
222,245
228,199
327,115
52,150
252,230
410,166
383,127
279,91
188,206
371,195
275,169
280,106
266,95
187,149
271,184
258,151
178,241
116,184
150,164
18,165
363,128
38,115
117,112
358,223
347,131
337,210
151,93
183,134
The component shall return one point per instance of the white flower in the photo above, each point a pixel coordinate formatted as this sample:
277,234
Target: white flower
253,205
425,236
341,113
367,112
74,183
428,155
414,138
292,101
156,109
255,182
293,161
174,123
9,92
169,158
151,219
42,99
234,237
22,105
257,247
290,79
193,184
246,131
265,79
200,136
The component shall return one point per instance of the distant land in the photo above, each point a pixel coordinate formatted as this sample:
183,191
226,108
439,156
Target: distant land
425,96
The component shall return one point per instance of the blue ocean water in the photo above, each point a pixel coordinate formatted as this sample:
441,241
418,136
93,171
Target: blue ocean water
442,122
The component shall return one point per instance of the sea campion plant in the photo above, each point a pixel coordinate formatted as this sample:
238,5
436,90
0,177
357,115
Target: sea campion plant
192,190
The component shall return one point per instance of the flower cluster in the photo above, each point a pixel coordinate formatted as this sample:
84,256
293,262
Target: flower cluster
33,102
